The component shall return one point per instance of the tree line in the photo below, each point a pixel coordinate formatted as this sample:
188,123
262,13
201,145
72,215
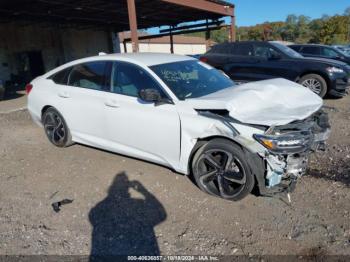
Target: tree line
299,29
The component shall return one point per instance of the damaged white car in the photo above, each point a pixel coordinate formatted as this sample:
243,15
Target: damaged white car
179,112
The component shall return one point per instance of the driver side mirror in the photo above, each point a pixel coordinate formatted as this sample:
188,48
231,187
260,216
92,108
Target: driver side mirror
150,95
153,96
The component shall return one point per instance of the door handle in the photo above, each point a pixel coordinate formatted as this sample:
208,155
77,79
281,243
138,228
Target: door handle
113,104
63,95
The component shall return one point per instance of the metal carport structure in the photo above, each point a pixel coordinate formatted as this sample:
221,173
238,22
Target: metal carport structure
120,15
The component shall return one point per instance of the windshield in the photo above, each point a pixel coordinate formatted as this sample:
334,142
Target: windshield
286,50
191,79
344,51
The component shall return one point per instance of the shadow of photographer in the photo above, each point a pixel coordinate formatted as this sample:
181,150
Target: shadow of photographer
123,224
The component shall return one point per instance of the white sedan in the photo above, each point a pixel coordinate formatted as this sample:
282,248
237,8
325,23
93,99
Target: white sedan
179,112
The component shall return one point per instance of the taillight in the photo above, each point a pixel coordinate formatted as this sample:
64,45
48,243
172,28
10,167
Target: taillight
203,59
29,88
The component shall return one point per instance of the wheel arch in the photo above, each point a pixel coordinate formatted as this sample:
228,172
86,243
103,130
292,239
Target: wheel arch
44,109
201,142
256,163
69,141
320,73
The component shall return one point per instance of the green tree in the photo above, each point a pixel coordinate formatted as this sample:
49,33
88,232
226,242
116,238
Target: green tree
290,30
315,30
302,30
347,11
335,30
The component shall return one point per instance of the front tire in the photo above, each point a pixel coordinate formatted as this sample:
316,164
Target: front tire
220,169
56,128
315,83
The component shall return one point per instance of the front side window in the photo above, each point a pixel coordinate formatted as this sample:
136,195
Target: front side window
191,79
128,79
89,75
265,52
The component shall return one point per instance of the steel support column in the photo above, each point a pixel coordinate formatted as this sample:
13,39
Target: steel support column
208,6
207,37
171,41
133,25
233,29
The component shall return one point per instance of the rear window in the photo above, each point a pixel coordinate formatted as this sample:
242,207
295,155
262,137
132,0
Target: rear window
89,75
61,76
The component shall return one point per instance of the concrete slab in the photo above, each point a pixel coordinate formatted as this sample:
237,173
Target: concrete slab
14,103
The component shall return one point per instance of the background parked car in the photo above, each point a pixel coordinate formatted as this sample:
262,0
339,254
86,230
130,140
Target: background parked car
253,60
323,51
343,48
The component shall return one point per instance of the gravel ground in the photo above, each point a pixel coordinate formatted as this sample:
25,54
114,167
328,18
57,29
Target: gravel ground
123,205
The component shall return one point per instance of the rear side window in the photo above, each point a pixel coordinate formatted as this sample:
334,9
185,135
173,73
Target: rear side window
90,75
311,50
219,49
61,76
243,49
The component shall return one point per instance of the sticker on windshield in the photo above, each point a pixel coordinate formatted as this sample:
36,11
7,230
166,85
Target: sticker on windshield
205,65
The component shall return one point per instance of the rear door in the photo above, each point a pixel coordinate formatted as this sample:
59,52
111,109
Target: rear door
241,64
217,56
82,101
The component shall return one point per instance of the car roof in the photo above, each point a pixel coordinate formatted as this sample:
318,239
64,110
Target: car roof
147,59
244,42
142,59
316,45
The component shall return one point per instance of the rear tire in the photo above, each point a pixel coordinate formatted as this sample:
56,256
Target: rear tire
56,128
315,83
220,169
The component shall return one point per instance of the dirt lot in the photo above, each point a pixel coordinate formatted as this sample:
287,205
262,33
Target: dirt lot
123,205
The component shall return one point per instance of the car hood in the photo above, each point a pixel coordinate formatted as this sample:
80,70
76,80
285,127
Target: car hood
331,62
268,102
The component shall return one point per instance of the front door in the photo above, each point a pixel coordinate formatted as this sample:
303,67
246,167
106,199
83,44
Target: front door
272,63
138,128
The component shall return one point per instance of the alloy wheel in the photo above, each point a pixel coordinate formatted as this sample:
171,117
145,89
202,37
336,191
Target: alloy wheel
54,128
313,84
221,173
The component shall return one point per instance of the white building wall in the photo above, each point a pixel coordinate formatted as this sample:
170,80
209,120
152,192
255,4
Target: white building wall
181,49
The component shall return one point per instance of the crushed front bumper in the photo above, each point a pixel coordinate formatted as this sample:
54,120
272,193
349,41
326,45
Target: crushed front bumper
339,86
286,166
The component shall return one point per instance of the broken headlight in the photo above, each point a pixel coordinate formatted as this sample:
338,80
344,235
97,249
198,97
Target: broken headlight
291,142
